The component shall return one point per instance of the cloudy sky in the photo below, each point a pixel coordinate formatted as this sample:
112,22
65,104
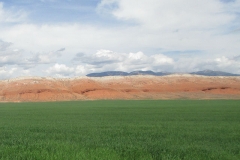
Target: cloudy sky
68,38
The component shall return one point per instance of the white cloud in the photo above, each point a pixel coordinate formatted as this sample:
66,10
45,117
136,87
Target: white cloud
190,64
156,27
162,59
60,70
136,57
8,55
81,70
104,60
140,61
99,58
45,58
227,63
176,14
6,73
88,38
179,24
11,16
4,45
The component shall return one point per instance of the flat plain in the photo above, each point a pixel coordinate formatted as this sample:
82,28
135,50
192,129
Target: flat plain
121,129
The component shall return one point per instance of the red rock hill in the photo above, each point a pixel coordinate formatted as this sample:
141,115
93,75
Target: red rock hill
129,87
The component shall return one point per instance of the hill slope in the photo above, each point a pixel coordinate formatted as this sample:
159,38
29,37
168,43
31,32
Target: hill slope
127,87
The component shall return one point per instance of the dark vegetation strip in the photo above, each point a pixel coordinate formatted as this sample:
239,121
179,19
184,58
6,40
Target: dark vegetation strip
178,129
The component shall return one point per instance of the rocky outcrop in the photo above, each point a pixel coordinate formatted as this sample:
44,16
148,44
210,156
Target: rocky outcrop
127,87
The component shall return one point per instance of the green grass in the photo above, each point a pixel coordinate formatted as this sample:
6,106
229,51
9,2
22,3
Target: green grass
131,130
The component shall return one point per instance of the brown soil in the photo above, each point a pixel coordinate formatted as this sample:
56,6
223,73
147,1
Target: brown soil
130,87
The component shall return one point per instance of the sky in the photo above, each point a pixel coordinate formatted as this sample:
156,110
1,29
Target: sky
70,38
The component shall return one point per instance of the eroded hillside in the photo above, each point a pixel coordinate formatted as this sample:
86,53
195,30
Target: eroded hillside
129,87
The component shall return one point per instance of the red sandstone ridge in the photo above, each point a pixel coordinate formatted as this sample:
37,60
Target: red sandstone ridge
129,87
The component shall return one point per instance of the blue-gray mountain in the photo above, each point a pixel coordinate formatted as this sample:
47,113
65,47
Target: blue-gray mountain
120,73
214,73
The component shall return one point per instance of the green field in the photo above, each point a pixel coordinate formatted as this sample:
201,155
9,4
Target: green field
133,130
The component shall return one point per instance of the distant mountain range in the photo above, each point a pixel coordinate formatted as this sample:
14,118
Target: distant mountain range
214,73
120,73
